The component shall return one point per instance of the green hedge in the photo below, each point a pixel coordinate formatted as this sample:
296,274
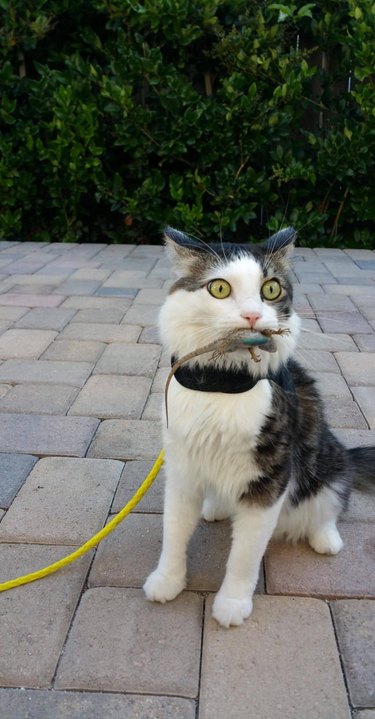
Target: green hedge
217,116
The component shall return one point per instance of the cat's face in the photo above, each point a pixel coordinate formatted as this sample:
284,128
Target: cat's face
221,288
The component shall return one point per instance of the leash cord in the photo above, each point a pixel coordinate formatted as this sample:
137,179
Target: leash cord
141,491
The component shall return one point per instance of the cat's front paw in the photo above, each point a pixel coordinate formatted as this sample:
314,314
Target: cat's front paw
162,588
231,612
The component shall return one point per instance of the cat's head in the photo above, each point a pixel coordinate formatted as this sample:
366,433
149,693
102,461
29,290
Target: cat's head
224,287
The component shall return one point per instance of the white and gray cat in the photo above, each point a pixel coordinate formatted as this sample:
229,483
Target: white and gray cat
245,440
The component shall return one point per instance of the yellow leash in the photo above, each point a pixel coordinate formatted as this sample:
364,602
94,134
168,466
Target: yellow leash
26,578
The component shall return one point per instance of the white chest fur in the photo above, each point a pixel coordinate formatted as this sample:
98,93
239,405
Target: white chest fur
214,434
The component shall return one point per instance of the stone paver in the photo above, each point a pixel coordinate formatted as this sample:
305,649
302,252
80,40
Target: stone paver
332,385
42,704
92,303
107,396
35,619
74,351
109,315
135,359
38,399
14,468
101,332
318,361
355,626
365,396
46,319
46,434
127,439
299,571
343,412
40,371
58,493
25,344
358,369
142,314
108,648
24,300
132,477
283,662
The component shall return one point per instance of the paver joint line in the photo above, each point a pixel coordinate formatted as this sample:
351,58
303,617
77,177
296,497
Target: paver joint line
34,576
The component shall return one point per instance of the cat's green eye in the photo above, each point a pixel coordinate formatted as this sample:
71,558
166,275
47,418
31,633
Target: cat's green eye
271,290
220,289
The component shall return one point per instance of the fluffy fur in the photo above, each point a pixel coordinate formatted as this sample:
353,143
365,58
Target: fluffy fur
264,457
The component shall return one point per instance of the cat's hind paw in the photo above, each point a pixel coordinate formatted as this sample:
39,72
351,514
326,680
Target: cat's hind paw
162,588
326,541
231,612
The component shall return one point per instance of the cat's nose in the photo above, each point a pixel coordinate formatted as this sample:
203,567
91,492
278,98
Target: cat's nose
251,317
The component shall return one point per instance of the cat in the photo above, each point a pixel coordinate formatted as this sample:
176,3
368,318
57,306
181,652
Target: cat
245,439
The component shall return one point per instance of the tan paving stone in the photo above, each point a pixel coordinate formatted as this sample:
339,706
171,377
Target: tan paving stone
74,351
361,508
110,396
282,663
35,618
132,477
83,303
343,412
40,371
358,369
127,439
149,296
57,495
109,649
46,318
24,300
91,274
110,315
44,704
299,571
355,627
132,551
135,280
38,399
46,434
101,332
25,344
129,359
142,314
14,469
365,396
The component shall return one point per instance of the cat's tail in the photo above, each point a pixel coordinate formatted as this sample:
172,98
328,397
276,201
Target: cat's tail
363,461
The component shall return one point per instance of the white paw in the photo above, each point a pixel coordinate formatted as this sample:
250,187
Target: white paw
327,541
231,612
212,513
162,588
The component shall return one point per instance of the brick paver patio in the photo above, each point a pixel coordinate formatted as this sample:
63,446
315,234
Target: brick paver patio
81,381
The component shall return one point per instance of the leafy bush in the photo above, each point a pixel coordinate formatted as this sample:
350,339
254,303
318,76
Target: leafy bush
223,116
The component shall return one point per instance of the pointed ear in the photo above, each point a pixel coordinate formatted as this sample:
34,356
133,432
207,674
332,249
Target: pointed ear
280,246
182,250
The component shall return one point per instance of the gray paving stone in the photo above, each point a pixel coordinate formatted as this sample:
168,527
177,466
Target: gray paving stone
132,551
45,372
366,343
108,648
91,274
56,495
160,379
318,361
4,326
332,385
358,369
87,303
129,359
14,468
365,714
137,280
36,279
25,344
319,278
361,508
4,388
38,399
46,434
127,439
78,287
144,315
153,408
101,332
2,513
331,304
355,626
100,315
12,313
360,254
44,289
327,343
351,289
348,322
42,704
290,633
111,396
299,571
116,292
149,335
343,412
24,300
46,319
74,351
356,437
132,477
150,297
35,618
365,396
